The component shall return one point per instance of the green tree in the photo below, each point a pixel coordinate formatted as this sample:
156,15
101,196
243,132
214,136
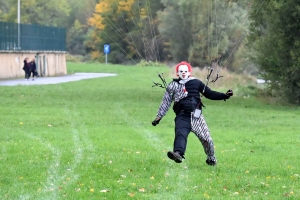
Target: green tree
203,31
3,8
275,43
81,11
43,12
75,39
175,31
77,25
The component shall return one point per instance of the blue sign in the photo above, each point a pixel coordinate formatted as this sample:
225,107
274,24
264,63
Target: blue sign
106,49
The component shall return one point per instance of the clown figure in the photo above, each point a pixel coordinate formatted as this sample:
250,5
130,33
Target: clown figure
185,92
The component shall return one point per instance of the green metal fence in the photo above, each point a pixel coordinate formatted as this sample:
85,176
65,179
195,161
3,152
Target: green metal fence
26,37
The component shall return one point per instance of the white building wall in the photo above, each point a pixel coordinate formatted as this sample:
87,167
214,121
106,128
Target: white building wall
48,63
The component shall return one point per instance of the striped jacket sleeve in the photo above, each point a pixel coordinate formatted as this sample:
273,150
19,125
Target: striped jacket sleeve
166,101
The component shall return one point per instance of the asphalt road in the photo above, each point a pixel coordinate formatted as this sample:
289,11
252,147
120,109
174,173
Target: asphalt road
54,80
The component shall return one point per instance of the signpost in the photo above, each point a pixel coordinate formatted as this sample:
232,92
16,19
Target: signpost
106,51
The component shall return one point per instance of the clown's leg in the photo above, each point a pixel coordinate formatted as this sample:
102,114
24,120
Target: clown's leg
200,128
182,130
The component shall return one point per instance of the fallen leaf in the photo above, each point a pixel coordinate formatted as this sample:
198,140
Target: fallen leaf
130,194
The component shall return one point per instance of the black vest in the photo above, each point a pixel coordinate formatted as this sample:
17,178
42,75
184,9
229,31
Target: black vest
192,101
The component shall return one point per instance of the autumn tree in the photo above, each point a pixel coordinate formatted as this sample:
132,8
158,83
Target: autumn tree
105,29
129,27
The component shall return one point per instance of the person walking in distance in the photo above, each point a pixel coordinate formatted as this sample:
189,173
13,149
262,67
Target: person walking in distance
32,69
26,68
185,92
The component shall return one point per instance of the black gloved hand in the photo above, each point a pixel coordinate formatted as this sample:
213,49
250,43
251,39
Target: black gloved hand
228,94
155,122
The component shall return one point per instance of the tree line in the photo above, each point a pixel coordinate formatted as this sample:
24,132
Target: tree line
257,36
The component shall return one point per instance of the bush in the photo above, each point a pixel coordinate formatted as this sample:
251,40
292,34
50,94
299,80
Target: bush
74,58
150,63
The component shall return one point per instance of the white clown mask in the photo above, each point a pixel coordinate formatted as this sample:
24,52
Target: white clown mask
183,72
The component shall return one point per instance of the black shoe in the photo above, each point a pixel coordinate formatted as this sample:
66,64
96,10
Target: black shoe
211,161
175,156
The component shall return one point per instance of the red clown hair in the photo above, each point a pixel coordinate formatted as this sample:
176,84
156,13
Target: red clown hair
184,63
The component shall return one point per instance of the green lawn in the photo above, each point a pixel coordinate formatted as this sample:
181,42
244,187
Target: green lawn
93,139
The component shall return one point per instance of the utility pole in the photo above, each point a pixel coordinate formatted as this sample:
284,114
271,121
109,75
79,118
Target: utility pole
19,21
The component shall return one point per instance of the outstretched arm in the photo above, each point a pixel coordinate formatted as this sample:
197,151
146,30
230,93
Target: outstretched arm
214,95
165,105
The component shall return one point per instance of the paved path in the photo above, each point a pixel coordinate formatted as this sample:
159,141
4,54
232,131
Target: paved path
55,80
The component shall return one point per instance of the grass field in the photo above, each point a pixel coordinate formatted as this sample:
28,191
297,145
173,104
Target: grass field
93,139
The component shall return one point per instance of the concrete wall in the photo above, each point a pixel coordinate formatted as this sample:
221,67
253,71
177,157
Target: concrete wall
48,63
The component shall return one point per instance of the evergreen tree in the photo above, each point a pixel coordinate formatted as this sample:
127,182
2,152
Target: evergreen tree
75,39
275,41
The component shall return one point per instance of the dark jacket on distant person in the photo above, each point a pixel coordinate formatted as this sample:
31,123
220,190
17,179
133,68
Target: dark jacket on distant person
32,67
26,66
